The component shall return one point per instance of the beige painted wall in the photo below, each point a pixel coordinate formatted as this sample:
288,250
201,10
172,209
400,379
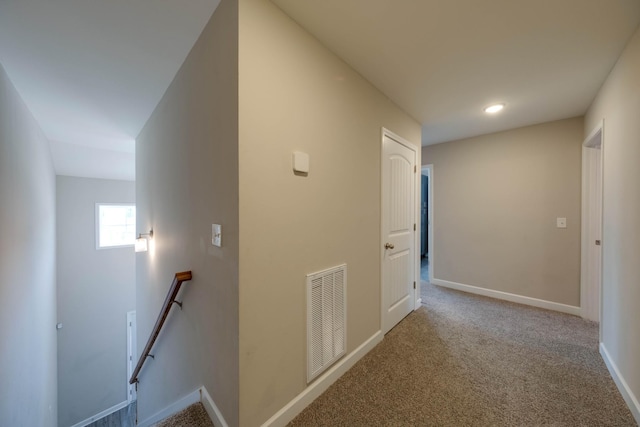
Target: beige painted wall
28,343
496,199
618,104
296,95
187,179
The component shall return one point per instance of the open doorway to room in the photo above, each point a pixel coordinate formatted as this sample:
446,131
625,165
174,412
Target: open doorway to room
426,223
591,257
424,230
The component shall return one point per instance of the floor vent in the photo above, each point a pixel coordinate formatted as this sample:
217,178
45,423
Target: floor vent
326,319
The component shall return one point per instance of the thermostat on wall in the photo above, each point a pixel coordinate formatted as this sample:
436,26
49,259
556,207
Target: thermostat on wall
300,162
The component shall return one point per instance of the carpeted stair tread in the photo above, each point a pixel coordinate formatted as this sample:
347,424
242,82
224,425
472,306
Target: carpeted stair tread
192,416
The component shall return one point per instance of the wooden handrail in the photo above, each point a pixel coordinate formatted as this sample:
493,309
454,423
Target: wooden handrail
184,276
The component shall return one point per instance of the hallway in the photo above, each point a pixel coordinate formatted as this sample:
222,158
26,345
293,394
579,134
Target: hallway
464,359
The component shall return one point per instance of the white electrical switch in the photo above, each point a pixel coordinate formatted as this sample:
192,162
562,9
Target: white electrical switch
300,162
561,222
216,235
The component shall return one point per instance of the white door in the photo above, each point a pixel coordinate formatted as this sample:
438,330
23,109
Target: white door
131,354
591,274
398,231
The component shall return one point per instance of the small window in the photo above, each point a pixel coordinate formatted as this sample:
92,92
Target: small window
115,225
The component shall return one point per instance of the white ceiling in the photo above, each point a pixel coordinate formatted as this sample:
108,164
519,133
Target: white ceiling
92,72
442,61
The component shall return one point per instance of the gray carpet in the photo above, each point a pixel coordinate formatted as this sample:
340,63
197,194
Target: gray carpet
466,360
193,416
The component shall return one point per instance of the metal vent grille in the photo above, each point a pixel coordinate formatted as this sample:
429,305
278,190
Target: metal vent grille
326,319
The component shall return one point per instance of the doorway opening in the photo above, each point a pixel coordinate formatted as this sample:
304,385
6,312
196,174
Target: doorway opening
426,224
591,256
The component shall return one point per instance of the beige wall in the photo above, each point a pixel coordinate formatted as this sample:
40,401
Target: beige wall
28,383
496,199
187,179
618,104
296,95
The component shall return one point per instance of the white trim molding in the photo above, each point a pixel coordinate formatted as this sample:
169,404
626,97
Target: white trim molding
534,302
198,395
592,226
628,396
102,414
212,410
319,385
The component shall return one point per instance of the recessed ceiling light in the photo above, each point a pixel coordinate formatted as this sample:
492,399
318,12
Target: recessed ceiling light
491,109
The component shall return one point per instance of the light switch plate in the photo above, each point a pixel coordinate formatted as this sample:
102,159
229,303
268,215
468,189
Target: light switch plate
561,222
216,235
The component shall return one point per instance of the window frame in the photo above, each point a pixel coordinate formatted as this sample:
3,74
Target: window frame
97,226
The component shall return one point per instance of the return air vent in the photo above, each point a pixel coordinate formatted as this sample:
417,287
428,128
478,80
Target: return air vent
326,319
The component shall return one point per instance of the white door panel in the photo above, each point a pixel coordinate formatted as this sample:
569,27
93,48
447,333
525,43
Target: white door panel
398,223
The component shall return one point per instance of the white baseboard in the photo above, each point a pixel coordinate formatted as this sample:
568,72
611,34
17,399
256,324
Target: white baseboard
535,302
211,408
627,394
309,394
102,414
199,395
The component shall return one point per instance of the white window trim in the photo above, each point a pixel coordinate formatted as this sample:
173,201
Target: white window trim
97,226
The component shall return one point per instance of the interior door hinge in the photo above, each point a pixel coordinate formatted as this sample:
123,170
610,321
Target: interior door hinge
415,168
414,285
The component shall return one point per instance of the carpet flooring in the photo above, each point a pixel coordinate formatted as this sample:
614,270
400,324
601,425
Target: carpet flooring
192,416
467,360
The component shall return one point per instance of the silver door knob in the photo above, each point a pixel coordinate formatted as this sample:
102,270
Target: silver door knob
388,246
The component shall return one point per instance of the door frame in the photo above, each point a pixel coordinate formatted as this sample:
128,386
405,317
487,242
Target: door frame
430,215
131,354
589,228
416,209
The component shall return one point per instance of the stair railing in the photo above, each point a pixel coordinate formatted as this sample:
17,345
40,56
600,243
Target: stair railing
169,301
